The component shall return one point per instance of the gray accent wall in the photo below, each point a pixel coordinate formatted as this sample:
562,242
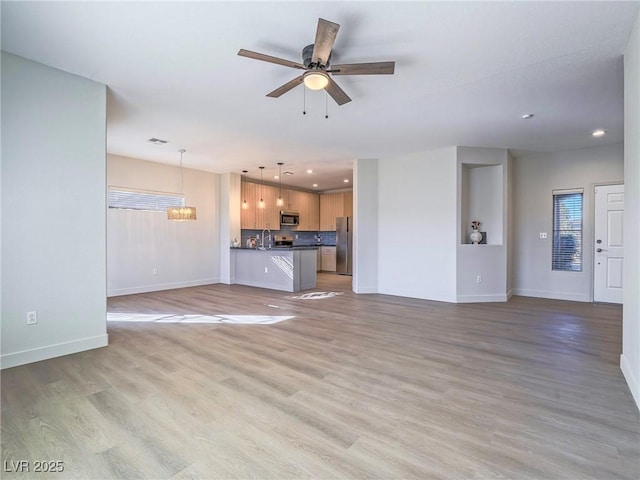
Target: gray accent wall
53,212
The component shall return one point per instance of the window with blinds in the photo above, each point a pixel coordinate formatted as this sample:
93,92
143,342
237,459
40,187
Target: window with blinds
118,197
567,230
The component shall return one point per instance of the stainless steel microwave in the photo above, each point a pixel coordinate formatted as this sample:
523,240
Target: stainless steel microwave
289,218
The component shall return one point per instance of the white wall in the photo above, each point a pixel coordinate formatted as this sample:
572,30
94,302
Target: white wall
53,212
534,179
417,225
365,234
630,359
229,227
482,187
183,253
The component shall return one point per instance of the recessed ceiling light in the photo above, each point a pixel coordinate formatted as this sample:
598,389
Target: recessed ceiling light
276,177
346,180
309,171
315,184
527,116
598,133
157,141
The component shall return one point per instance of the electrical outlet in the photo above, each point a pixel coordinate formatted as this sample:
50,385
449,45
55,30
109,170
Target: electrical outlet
479,279
155,271
266,269
543,234
32,318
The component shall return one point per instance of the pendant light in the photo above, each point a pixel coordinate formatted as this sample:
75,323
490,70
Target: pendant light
261,202
181,213
280,201
245,205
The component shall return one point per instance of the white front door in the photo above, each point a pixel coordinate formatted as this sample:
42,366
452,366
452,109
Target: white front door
609,246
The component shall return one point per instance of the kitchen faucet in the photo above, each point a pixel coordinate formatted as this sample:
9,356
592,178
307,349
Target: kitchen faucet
262,241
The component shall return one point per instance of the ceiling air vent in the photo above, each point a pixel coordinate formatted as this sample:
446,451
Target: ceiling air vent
157,141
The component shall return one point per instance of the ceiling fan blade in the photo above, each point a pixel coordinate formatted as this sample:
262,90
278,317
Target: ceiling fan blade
325,36
337,93
286,87
374,68
269,58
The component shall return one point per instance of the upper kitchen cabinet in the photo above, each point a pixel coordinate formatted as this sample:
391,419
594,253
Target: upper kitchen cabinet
307,205
256,218
248,215
309,209
333,205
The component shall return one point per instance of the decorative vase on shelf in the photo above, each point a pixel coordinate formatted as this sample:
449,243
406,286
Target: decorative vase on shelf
476,236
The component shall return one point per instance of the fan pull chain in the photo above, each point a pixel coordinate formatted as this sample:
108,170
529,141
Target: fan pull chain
326,105
304,100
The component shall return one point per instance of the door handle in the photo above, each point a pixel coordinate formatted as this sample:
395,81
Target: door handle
601,250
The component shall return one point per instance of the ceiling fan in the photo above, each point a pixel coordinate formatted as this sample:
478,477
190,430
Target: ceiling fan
315,62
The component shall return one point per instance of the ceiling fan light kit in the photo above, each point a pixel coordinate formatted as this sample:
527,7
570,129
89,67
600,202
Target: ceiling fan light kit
316,80
316,59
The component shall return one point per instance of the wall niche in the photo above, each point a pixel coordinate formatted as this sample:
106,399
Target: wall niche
482,194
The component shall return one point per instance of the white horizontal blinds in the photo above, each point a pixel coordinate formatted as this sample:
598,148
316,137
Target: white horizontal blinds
567,230
129,199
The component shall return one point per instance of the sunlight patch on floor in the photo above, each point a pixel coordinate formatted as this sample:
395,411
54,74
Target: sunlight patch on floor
170,318
318,295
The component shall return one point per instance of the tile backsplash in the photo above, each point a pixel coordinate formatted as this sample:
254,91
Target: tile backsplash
303,238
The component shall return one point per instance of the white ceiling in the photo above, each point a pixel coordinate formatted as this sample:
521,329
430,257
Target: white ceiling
465,73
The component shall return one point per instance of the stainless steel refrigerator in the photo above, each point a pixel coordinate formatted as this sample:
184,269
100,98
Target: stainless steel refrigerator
344,242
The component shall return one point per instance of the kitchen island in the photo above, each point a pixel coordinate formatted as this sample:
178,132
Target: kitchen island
289,269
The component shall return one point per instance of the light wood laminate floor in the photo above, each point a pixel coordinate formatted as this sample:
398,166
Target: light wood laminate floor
355,386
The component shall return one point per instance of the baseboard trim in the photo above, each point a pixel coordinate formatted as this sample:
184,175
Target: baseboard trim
482,298
23,357
630,377
573,297
162,286
365,290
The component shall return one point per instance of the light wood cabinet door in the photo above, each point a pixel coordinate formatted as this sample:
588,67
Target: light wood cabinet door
248,216
293,201
312,219
329,210
328,255
333,205
347,210
255,218
308,205
271,211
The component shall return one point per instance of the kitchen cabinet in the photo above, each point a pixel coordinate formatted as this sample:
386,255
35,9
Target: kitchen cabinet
328,255
256,218
248,216
309,209
307,205
333,205
271,211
